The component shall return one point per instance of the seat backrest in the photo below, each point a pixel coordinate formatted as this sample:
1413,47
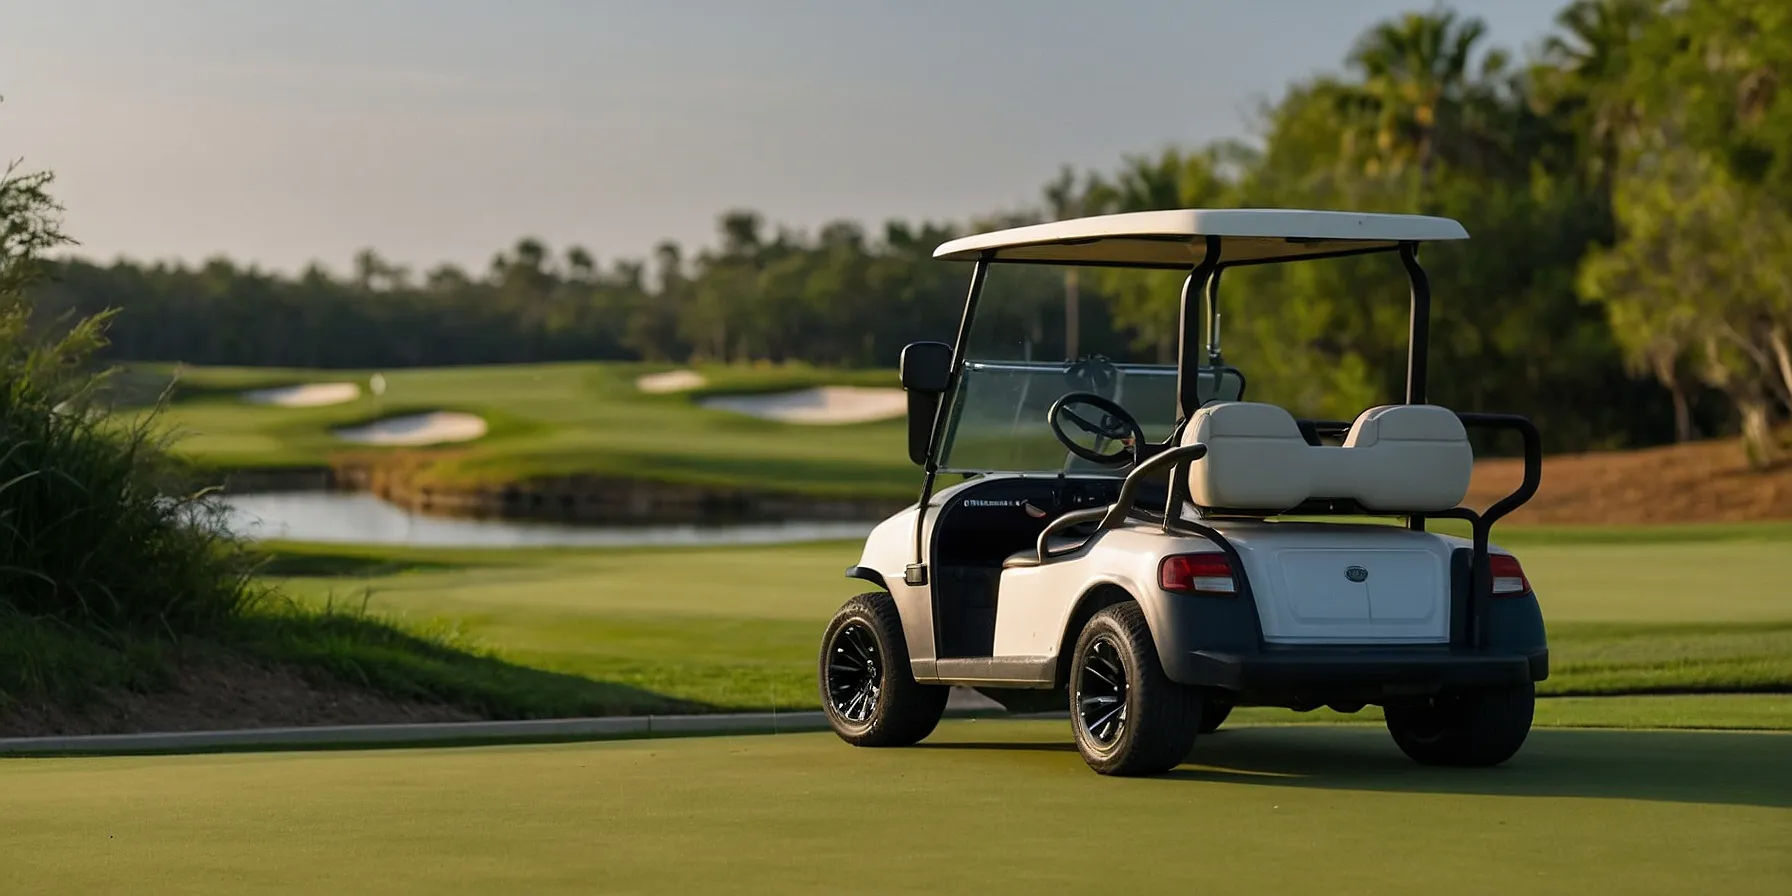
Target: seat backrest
1408,457
1256,458
1396,458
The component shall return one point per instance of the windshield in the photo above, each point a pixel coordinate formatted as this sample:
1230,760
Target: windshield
998,418
1016,367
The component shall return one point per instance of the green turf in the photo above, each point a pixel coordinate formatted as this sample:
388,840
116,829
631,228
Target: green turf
982,807
738,627
44,663
550,420
1741,712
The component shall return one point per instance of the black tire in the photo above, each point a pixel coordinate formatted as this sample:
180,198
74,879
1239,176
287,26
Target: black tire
1466,729
1214,711
882,706
1129,718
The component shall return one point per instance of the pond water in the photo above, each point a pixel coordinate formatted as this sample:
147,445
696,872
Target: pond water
360,518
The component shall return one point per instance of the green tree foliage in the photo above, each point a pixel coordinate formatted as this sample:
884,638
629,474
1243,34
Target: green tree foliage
1697,285
1627,189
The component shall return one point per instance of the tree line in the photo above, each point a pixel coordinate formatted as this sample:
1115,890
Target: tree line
1627,184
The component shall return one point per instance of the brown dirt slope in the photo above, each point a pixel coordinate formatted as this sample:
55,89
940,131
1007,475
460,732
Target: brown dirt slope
1697,482
225,694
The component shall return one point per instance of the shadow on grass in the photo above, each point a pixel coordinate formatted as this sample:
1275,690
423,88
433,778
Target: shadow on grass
359,649
323,565
1732,768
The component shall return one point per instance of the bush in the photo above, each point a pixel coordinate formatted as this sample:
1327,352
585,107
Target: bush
93,532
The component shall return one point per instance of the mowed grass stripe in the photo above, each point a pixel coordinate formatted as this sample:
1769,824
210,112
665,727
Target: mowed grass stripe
738,627
984,806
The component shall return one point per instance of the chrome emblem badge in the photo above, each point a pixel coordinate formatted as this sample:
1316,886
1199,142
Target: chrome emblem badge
1356,574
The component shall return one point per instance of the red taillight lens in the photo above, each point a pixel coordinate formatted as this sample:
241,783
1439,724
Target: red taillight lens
1196,574
1508,576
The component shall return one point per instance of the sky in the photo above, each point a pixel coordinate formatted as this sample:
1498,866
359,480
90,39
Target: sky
281,133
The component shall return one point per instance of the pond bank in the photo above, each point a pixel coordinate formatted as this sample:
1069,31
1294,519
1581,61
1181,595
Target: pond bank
585,500
338,517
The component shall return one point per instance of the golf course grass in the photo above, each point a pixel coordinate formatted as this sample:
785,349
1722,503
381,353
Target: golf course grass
983,806
1629,611
545,420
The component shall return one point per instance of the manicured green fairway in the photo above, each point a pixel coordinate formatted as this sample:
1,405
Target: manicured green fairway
554,419
739,627
982,807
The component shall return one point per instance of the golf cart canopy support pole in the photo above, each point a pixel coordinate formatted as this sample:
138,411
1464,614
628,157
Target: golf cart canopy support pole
916,574
1418,333
1188,347
1214,357
1418,339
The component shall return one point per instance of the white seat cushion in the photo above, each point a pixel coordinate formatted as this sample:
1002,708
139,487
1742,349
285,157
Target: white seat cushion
1256,458
1396,458
1408,457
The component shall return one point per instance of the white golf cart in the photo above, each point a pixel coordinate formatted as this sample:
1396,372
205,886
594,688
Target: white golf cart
1125,543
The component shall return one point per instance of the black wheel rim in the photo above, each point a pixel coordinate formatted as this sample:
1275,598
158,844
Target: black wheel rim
854,673
1101,692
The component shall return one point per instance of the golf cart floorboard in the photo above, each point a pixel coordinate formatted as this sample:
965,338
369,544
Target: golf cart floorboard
1007,671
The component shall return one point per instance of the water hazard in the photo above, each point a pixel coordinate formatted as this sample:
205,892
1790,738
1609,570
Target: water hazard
359,518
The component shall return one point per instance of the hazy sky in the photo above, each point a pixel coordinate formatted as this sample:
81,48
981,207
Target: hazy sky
282,131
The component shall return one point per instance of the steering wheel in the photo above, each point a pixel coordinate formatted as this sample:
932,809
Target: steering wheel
1092,373
1116,425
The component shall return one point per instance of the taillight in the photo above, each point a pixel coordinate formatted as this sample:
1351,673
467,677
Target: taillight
1196,574
1508,576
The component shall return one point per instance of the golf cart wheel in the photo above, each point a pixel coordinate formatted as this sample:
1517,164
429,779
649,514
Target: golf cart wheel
1128,716
1470,728
1214,711
867,690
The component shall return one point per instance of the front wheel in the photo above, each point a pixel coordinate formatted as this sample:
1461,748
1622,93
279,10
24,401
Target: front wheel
1128,716
1470,728
868,692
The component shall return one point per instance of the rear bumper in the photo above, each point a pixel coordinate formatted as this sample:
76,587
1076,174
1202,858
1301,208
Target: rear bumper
1363,672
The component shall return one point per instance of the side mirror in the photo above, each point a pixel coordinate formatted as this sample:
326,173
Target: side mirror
926,368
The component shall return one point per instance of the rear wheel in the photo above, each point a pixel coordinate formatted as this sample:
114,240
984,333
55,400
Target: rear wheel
867,689
1469,728
1128,716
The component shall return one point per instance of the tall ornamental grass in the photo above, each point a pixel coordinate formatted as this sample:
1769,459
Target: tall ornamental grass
96,530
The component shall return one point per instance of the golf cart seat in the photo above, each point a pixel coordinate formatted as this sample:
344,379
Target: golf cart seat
1395,459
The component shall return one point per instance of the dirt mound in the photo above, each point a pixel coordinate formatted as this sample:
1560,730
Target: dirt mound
1698,482
217,695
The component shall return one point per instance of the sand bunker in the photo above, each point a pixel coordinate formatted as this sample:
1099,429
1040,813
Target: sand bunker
670,381
309,395
827,404
417,429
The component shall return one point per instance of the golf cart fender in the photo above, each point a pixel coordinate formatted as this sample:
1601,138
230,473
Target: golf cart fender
1180,624
888,550
887,554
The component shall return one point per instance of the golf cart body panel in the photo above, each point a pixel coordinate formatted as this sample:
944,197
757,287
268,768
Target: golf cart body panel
1192,516
1175,239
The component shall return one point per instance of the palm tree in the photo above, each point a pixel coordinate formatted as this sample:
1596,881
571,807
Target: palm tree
742,234
1071,196
1585,67
1418,79
580,265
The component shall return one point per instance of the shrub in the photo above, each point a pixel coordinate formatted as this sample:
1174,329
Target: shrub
94,531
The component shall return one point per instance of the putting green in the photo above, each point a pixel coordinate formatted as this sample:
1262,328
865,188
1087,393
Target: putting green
983,806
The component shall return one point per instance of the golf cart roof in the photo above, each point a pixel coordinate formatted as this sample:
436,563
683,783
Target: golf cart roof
1178,238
